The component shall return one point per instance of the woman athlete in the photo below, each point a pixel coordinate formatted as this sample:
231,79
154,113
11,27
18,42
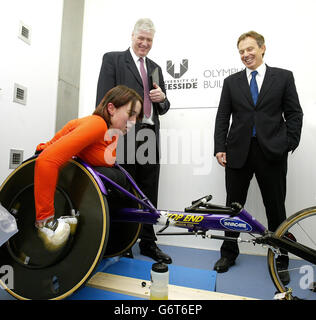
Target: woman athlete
93,139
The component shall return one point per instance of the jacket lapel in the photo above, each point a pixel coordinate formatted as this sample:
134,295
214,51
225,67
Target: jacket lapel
266,85
132,66
244,86
150,68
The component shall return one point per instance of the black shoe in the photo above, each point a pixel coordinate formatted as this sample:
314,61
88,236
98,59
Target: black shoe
154,252
128,254
312,287
223,264
283,272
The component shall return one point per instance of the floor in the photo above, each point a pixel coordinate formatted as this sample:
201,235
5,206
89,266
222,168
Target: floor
248,277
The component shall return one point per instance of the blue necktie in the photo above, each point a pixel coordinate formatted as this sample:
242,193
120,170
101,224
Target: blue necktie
254,87
254,93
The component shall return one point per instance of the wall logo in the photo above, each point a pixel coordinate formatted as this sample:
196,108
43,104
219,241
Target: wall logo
177,70
184,65
235,225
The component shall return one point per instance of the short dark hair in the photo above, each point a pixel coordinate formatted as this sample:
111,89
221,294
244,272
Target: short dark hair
252,34
119,96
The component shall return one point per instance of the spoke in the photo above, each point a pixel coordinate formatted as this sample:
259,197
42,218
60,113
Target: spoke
307,235
293,269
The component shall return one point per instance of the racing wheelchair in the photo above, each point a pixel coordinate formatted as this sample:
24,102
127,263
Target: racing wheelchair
109,221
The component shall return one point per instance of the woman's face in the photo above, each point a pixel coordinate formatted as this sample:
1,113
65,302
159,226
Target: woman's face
123,118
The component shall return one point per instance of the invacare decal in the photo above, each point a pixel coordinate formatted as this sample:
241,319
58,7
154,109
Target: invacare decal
235,225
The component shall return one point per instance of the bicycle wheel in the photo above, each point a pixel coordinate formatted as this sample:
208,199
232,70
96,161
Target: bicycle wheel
299,228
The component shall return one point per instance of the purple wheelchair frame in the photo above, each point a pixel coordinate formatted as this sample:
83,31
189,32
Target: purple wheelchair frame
194,218
214,217
198,218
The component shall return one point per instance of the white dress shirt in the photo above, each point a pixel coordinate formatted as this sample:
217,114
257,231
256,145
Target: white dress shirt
260,76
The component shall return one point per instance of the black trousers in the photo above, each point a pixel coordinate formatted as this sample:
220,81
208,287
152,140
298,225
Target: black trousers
271,178
114,174
116,199
147,178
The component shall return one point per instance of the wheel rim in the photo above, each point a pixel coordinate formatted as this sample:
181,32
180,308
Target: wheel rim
302,273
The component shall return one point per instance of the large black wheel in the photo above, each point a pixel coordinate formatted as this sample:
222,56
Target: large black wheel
42,274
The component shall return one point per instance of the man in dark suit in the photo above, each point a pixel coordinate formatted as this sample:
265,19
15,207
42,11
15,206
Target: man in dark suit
266,125
133,69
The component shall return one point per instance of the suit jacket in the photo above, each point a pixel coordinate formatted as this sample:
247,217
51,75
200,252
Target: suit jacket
119,68
277,117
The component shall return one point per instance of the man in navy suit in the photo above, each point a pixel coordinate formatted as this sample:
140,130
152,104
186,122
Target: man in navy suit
266,124
125,67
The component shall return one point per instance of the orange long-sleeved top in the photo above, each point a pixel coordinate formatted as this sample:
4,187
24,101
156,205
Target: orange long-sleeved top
86,138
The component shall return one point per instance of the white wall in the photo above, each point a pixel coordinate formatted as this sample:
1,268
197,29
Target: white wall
205,32
34,66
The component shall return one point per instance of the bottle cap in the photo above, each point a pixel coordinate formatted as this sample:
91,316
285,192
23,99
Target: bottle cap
159,267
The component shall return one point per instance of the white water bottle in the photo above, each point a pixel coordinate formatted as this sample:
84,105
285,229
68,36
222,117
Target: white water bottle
159,281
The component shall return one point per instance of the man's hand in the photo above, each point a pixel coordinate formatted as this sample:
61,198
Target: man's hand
156,95
221,158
